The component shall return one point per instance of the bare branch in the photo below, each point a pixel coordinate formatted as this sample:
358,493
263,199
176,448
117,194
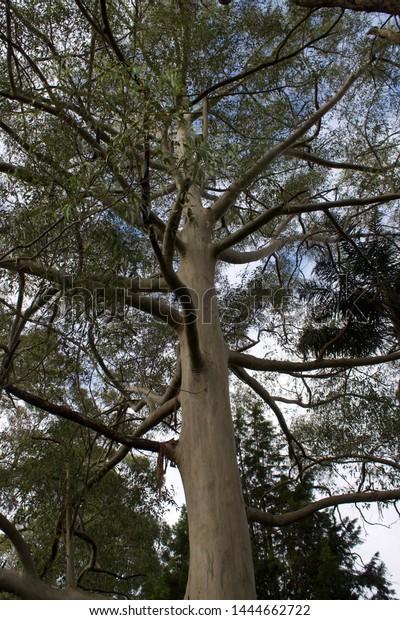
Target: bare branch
66,413
19,545
272,520
288,367
294,445
156,416
369,6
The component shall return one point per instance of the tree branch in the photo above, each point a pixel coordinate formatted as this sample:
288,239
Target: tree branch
26,584
385,33
264,65
229,196
108,35
288,367
66,413
339,165
240,258
30,588
19,172
92,286
252,226
345,202
156,416
272,520
369,6
294,446
19,545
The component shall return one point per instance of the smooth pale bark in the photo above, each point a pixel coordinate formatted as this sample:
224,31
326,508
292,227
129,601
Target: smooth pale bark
220,552
28,587
272,520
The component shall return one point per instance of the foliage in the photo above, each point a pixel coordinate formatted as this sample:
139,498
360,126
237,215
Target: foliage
148,149
358,288
48,469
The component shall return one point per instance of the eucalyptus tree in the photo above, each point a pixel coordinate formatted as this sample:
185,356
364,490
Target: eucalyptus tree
148,147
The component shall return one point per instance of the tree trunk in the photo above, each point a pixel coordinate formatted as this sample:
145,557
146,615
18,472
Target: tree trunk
220,551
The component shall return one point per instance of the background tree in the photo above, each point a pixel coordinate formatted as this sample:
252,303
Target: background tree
355,289
314,558
146,148
68,519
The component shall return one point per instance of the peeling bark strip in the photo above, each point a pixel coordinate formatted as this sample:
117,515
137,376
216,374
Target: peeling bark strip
391,7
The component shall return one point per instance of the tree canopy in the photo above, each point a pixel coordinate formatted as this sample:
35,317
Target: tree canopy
193,193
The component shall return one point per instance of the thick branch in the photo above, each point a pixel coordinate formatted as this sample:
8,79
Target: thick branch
170,233
19,545
271,520
286,366
242,258
18,172
391,7
385,33
66,413
339,165
30,588
96,285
